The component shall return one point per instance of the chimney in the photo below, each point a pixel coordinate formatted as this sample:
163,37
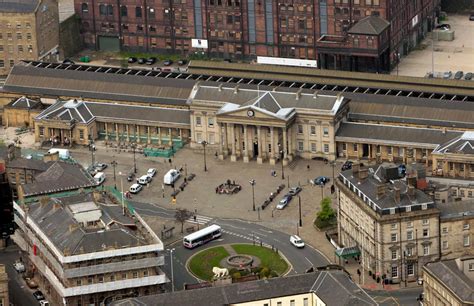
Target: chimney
411,190
380,191
411,181
363,173
51,157
355,168
396,194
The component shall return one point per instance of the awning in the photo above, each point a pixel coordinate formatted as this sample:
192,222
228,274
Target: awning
348,252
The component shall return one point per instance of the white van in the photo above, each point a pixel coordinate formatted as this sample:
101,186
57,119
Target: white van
99,177
135,188
144,179
171,176
63,153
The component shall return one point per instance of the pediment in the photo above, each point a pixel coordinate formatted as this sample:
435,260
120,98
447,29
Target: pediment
252,112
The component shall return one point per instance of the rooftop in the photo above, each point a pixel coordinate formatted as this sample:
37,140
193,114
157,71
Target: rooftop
322,283
18,6
460,209
24,103
370,25
463,144
28,164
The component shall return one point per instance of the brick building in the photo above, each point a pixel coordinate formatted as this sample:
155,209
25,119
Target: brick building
354,35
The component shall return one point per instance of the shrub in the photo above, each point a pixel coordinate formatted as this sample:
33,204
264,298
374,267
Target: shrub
236,275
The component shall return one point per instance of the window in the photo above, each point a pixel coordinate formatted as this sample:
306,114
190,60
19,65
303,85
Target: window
409,224
300,146
41,131
123,11
326,131
101,279
466,241
210,122
12,63
145,273
313,147
344,147
292,302
444,230
211,138
425,222
124,275
355,147
89,280
409,251
426,250
471,267
393,237
112,278
199,137
305,302
409,235
313,130
9,36
356,42
110,10
18,36
28,36
445,245
394,254
389,150
78,282
300,129
393,226
326,148
410,270
465,226
198,121
138,12
84,8
279,304
426,232
81,134
102,10
20,48
394,272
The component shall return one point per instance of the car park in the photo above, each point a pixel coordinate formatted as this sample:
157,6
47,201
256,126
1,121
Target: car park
182,62
347,165
458,75
135,188
132,60
151,172
294,190
144,179
447,75
38,295
320,180
468,76
19,267
284,202
168,63
151,60
296,241
142,60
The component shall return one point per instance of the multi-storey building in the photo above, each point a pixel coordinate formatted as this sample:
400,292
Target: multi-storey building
456,229
87,250
342,34
28,30
4,300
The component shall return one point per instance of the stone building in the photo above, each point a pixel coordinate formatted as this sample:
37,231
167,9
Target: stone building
20,112
86,250
454,158
4,299
28,30
449,282
456,229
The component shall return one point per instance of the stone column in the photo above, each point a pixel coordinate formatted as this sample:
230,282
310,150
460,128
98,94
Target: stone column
233,157
170,136
106,131
159,135
290,144
221,142
272,143
226,142
137,138
128,133
285,147
180,134
246,144
148,135
116,132
259,139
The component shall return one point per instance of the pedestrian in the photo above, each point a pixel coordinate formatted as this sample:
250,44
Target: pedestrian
217,189
307,167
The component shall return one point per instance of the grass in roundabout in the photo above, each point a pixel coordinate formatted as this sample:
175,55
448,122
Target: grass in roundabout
201,263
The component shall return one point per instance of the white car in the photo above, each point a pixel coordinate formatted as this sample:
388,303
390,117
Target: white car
44,303
19,267
296,241
151,172
135,188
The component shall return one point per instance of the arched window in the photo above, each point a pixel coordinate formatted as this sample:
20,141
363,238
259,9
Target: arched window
84,8
138,12
110,10
123,11
102,10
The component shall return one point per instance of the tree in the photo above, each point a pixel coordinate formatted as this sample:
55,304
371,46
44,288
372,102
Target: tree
181,215
326,213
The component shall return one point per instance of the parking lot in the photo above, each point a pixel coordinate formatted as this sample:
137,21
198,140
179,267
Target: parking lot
452,56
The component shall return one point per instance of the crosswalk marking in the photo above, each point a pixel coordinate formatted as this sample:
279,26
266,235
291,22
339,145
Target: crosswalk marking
250,238
201,220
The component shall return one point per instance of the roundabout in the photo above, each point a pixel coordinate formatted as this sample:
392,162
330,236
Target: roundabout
237,260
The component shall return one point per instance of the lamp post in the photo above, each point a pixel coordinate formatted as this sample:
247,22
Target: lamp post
91,147
114,164
322,191
299,208
121,188
397,54
252,183
134,160
172,271
204,143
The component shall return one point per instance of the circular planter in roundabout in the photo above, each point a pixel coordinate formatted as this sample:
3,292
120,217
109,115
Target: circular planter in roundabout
240,260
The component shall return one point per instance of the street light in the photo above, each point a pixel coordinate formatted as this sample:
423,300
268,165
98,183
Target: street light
134,160
252,183
204,143
299,207
172,271
114,164
121,187
397,54
91,147
282,154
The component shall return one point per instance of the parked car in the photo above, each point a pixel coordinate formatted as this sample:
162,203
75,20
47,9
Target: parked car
44,303
38,295
447,75
130,176
285,201
347,165
135,188
295,190
31,283
182,62
471,17
100,166
151,172
142,60
458,75
227,60
144,179
132,60
68,62
468,76
168,63
151,60
19,267
443,27
320,180
296,241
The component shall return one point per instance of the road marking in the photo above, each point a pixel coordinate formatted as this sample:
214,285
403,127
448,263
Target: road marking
201,220
309,261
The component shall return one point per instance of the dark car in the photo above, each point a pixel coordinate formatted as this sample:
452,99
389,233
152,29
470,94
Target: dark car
130,177
458,75
182,62
38,295
444,26
142,60
132,60
227,60
471,17
68,62
468,76
347,165
294,190
151,60
320,180
168,63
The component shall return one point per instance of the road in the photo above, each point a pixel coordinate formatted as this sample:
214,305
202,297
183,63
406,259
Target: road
405,296
235,231
19,293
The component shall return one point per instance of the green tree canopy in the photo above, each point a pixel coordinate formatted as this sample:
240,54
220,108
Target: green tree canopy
326,213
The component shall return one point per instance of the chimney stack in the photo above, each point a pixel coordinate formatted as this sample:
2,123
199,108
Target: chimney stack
381,190
363,173
411,180
396,195
411,190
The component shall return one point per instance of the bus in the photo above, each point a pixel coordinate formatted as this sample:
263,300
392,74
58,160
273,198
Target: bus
202,236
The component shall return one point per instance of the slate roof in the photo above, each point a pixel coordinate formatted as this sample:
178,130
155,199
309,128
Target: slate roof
325,284
60,176
57,221
463,144
28,79
18,6
454,210
453,279
390,134
370,25
31,164
85,112
24,103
